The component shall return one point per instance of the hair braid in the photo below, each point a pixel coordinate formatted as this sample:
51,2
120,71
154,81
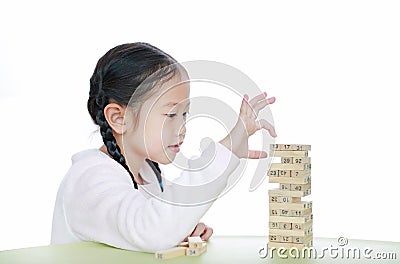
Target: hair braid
106,131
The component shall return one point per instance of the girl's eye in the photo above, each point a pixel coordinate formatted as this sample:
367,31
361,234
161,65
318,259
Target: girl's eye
170,115
173,115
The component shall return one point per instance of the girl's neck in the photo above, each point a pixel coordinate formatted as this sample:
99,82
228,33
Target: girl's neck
135,172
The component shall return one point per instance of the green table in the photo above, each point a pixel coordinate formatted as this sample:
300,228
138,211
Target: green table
220,249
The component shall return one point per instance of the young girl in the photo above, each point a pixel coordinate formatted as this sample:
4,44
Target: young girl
117,194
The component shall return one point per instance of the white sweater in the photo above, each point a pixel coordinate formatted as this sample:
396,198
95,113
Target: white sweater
96,201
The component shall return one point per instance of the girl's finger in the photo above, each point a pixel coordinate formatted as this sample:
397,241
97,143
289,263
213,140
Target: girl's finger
244,106
257,154
207,234
267,126
247,106
257,98
258,103
261,104
271,100
200,227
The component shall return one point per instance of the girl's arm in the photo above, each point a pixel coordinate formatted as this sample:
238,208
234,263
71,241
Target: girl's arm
101,205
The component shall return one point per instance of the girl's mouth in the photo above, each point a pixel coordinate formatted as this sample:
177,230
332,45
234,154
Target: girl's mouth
175,148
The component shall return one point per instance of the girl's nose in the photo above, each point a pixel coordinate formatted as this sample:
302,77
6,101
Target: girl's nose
182,130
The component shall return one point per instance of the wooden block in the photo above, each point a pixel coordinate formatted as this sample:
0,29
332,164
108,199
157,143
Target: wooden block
291,219
283,199
283,153
171,253
184,244
291,206
273,225
286,212
297,226
280,166
295,147
277,192
277,238
300,187
290,180
273,212
197,245
290,226
295,160
279,173
196,242
296,187
286,226
299,173
288,173
302,239
273,238
195,239
193,252
279,242
283,212
278,212
291,232
284,186
300,212
286,239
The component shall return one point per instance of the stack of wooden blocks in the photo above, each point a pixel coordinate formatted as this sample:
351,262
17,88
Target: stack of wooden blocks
290,218
194,247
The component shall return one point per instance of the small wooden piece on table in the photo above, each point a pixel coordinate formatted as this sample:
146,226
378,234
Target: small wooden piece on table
171,253
196,246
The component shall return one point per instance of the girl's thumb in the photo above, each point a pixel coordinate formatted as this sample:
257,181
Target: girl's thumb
257,154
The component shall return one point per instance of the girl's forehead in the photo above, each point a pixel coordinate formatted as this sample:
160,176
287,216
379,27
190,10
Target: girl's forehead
172,94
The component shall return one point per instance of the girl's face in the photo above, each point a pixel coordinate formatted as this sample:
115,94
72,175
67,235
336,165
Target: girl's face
161,128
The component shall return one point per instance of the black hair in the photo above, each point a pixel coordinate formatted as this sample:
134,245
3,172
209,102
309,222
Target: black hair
117,77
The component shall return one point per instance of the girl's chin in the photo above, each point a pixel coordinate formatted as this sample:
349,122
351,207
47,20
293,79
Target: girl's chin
168,158
165,162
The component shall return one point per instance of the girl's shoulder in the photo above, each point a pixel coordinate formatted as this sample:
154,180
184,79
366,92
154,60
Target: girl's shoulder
90,154
91,158
94,172
94,162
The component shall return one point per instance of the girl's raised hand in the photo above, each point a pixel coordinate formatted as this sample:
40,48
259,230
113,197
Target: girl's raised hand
247,125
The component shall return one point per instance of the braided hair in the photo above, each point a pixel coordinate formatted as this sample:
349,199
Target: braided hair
119,77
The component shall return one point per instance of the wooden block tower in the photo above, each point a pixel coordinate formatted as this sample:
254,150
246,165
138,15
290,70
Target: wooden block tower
290,218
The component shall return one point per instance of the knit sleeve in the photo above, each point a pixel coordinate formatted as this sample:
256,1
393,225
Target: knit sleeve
101,205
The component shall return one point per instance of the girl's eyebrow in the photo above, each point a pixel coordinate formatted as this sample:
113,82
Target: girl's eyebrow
174,103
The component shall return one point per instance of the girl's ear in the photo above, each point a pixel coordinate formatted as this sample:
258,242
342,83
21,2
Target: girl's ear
114,114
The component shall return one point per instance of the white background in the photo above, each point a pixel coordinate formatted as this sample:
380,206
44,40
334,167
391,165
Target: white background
333,66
